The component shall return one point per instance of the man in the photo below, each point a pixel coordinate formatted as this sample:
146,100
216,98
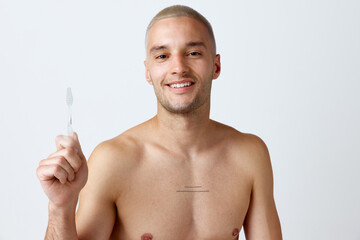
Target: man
176,176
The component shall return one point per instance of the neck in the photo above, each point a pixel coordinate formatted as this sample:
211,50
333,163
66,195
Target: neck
186,131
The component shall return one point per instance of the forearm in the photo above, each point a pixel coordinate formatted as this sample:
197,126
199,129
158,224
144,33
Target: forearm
61,223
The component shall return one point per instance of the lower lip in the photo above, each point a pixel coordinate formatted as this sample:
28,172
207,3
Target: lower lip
181,89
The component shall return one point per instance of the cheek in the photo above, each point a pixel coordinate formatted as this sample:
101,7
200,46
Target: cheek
206,70
157,73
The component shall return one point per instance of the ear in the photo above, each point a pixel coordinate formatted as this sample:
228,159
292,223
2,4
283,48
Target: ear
147,74
217,68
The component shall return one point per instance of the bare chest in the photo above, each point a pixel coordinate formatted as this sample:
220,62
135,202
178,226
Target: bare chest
174,199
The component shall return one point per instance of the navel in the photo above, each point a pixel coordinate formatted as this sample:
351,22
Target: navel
235,232
147,236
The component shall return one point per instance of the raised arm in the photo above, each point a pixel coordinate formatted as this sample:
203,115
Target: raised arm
62,175
262,221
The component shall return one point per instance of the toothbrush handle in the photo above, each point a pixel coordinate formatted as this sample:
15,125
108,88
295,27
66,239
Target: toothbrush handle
70,130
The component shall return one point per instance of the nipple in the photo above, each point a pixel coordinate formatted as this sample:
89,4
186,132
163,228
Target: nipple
147,236
235,232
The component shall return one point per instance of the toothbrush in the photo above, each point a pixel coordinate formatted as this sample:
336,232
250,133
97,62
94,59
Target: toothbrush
69,102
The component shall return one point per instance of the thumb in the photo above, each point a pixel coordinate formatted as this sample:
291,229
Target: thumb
74,136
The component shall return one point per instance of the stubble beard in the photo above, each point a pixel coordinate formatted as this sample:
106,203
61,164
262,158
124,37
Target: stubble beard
182,107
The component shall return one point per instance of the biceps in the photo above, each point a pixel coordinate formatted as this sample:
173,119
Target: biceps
262,220
95,218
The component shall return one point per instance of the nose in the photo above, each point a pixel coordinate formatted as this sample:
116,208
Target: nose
179,65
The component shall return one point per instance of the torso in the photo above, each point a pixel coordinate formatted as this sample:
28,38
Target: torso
167,196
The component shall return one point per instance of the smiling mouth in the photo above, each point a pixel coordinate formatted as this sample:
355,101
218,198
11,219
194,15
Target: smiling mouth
181,85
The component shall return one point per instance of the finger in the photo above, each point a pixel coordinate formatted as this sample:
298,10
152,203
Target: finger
57,142
64,141
60,174
71,141
76,138
51,172
62,162
71,156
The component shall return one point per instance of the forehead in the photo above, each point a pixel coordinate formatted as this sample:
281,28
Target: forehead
177,30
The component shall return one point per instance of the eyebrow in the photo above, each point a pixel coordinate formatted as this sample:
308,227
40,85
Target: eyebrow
196,44
158,48
189,44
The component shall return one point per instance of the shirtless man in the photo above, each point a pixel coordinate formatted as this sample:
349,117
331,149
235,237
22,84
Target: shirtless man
179,175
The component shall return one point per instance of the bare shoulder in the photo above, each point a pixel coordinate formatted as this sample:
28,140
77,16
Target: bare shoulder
122,150
240,141
119,148
113,160
249,150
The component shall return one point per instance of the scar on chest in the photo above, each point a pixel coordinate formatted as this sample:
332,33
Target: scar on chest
149,236
192,189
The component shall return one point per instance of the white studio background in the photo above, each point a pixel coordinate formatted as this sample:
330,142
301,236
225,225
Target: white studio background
290,74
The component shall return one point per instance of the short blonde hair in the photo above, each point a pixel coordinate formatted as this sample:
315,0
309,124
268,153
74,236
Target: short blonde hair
182,11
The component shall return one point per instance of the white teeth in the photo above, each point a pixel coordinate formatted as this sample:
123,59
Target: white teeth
180,85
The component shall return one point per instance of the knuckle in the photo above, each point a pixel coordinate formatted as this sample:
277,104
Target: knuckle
38,171
66,153
69,157
50,155
60,160
57,169
69,151
58,138
72,144
42,162
61,175
77,165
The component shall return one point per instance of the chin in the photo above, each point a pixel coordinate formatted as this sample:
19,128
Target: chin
182,108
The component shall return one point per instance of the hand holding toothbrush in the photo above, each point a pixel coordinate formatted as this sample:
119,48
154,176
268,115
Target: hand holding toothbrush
64,173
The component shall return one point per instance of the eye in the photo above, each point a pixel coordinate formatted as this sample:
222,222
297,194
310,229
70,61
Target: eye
194,54
162,56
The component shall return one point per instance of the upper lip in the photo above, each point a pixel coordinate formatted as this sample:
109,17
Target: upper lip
181,81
